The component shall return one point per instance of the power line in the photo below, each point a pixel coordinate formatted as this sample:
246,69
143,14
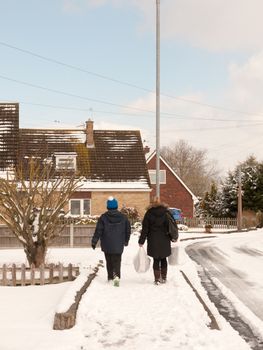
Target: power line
169,115
71,95
101,76
98,75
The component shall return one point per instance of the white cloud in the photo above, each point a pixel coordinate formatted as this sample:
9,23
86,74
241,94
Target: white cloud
211,24
228,141
246,84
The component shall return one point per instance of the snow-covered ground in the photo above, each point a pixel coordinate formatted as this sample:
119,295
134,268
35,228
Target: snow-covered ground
235,263
137,315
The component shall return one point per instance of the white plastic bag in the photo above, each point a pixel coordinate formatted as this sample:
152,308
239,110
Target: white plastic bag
141,261
173,259
178,255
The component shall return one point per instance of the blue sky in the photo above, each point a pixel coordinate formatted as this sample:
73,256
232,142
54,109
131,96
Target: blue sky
211,55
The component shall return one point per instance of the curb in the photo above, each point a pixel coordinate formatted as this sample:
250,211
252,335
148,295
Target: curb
213,323
67,320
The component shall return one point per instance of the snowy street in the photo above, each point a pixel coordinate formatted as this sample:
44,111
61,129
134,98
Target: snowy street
138,314
230,270
236,261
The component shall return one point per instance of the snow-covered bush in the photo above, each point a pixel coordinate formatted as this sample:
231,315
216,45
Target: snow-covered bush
131,213
182,227
83,220
137,227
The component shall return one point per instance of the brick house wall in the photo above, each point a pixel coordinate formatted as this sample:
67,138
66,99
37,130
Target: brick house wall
173,193
138,200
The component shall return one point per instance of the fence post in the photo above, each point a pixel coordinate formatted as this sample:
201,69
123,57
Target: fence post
70,275
23,275
60,272
32,274
51,273
4,275
42,274
14,275
71,235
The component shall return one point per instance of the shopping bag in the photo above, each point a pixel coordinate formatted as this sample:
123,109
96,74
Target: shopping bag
178,255
173,259
141,261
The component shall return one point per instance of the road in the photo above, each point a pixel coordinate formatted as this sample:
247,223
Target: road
235,260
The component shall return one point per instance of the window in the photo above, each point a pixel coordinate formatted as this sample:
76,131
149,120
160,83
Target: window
79,207
152,174
66,161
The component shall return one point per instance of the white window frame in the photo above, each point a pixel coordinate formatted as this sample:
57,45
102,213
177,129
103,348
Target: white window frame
81,200
70,157
152,174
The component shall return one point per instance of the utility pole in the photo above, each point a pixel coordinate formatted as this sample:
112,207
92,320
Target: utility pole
158,99
239,203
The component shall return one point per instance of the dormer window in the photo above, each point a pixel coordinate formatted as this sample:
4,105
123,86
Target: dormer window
66,161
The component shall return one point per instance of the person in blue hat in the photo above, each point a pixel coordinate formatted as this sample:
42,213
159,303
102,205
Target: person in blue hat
113,229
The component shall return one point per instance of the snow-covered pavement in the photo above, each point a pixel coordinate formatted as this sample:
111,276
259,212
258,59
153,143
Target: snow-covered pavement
137,315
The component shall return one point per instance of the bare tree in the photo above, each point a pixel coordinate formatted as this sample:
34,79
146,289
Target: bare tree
32,203
192,166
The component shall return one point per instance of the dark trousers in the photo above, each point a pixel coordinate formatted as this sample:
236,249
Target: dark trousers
159,264
113,264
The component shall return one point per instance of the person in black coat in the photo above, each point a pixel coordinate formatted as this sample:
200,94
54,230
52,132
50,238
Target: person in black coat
113,229
155,228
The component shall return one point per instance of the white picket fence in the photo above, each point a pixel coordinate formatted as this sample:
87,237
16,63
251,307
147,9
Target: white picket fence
220,223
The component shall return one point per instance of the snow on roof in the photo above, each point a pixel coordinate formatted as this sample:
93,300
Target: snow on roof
101,186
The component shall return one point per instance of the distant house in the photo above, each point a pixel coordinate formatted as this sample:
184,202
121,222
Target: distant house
173,190
109,162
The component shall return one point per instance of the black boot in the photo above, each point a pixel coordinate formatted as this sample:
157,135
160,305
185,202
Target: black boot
163,274
157,276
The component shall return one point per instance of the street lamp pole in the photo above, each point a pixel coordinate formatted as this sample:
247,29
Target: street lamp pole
158,99
239,203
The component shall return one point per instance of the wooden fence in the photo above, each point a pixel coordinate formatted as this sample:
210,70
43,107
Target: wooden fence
219,223
72,236
48,274
79,235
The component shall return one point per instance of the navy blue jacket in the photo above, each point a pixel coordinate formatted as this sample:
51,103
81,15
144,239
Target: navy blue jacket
113,229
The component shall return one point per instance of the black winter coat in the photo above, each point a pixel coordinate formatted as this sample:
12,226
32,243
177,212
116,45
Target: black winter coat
113,229
154,229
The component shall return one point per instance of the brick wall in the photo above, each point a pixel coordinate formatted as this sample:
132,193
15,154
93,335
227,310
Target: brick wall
139,200
173,192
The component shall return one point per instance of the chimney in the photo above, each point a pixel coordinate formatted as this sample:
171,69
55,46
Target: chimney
146,149
89,134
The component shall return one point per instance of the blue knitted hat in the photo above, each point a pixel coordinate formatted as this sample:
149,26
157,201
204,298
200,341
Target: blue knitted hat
112,203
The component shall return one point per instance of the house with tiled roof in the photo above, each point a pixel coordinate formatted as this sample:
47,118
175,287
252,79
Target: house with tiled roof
173,191
108,162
